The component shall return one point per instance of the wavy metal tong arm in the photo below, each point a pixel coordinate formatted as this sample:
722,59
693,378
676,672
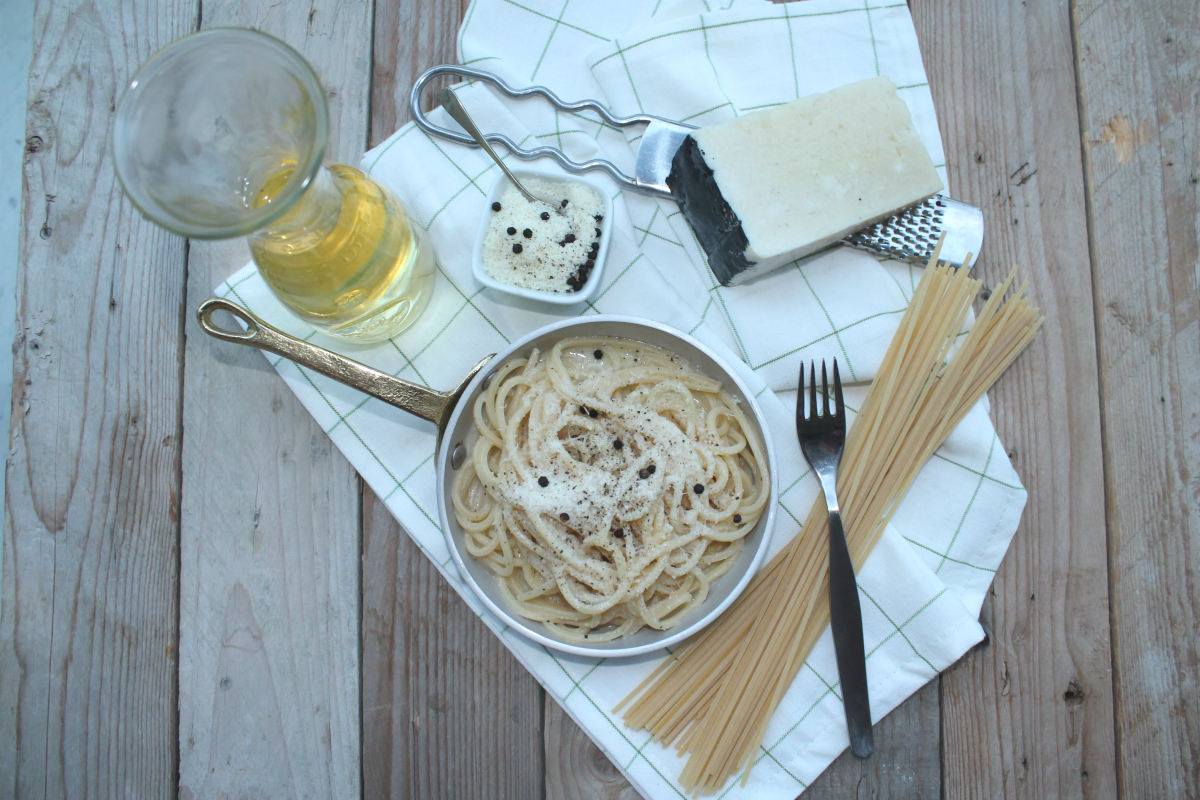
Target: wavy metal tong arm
911,234
660,141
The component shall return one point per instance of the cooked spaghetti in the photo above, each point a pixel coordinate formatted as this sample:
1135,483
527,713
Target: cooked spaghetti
610,484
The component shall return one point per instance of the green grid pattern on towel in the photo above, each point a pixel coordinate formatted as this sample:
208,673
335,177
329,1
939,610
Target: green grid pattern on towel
404,477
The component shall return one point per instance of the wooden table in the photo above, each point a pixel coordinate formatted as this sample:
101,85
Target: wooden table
192,605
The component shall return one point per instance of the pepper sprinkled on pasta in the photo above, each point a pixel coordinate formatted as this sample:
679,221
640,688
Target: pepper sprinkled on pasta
563,497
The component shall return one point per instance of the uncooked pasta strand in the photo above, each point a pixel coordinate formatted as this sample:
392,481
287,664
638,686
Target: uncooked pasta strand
714,699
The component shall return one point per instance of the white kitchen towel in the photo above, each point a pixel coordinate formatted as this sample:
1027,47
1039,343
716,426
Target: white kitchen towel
922,587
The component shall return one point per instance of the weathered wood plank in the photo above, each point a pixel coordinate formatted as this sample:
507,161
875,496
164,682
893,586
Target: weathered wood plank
410,37
451,713
1139,73
269,669
447,711
88,632
1030,714
906,764
575,766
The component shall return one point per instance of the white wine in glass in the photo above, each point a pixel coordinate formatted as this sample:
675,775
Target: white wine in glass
223,133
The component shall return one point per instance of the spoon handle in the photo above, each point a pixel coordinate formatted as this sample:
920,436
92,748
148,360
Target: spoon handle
455,109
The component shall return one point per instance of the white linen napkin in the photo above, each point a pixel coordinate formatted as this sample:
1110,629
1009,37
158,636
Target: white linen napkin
923,585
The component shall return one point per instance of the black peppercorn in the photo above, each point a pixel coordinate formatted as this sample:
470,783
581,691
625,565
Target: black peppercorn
543,481
598,217
643,473
737,518
495,206
593,413
564,516
528,234
589,263
619,533
597,233
618,444
545,215
564,202
583,409
517,248
599,354
511,231
570,237
698,488
651,469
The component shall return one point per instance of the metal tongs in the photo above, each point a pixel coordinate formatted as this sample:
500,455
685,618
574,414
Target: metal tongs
911,234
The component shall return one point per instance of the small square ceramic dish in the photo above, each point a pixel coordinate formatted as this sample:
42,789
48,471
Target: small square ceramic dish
593,274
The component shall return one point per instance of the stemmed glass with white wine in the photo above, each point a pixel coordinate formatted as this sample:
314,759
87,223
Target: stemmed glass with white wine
223,133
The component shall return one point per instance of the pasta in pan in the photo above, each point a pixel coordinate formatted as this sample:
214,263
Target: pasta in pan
610,483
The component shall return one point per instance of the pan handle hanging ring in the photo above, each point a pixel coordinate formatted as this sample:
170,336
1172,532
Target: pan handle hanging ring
411,397
577,167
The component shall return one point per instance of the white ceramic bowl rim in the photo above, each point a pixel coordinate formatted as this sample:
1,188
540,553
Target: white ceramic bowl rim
558,298
534,630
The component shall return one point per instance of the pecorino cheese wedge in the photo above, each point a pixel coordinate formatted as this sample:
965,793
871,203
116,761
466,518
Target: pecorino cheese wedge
767,188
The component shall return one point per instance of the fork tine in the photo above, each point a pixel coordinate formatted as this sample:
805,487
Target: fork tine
824,389
812,391
837,391
800,397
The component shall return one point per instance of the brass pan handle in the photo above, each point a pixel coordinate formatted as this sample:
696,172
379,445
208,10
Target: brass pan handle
405,395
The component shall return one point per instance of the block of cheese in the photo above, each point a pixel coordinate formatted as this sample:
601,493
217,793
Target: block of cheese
769,187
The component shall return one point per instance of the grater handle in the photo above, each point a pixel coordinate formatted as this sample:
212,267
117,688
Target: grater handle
912,234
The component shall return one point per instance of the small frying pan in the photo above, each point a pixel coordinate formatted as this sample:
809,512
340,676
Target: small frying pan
451,413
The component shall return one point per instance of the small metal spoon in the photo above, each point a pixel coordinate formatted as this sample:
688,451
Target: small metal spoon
455,109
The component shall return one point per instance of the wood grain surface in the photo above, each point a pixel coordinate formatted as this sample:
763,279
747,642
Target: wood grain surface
447,710
906,764
1031,714
269,668
167,494
1139,73
88,626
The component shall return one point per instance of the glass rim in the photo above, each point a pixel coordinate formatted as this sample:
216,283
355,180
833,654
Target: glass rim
297,183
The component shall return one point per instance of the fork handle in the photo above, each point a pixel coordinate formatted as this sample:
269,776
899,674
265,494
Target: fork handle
846,618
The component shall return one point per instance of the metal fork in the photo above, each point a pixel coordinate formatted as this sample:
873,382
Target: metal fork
822,435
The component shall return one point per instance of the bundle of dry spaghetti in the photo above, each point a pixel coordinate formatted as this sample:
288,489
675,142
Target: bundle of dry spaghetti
713,700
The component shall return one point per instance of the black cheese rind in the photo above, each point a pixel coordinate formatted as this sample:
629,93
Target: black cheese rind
716,226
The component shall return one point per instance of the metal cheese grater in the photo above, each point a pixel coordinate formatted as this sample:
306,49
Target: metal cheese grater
910,234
